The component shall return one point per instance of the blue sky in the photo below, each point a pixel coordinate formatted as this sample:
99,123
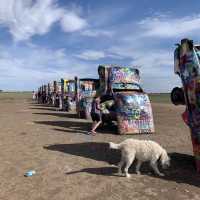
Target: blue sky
45,40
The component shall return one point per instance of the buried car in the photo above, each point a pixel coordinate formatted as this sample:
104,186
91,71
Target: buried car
57,102
187,66
68,94
50,93
86,89
131,107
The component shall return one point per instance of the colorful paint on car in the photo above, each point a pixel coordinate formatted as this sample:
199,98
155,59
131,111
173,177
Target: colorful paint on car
57,102
85,91
187,66
134,114
132,106
68,94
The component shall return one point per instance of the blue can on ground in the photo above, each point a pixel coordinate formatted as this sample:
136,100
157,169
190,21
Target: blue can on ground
30,173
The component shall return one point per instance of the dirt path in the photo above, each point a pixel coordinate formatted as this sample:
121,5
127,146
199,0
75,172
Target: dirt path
73,165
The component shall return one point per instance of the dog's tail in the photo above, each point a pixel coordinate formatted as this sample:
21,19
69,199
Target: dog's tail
114,146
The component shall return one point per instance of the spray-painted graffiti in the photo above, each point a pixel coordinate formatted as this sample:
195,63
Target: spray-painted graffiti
127,86
86,90
68,94
134,113
135,126
88,93
191,82
187,66
132,107
69,87
124,75
84,107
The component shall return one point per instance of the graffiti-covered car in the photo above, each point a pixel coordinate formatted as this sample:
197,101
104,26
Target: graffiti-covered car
39,94
68,94
86,89
131,106
42,97
50,93
57,99
187,66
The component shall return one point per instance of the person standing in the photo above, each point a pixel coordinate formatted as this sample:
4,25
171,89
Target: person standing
95,114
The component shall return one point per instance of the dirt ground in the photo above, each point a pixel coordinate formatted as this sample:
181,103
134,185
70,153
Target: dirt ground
71,165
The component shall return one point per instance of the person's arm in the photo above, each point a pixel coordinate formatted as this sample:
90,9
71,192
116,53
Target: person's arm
98,106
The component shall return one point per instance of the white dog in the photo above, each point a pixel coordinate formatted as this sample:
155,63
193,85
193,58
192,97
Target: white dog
142,150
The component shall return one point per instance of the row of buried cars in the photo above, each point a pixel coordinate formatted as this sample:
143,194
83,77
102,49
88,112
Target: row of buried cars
130,110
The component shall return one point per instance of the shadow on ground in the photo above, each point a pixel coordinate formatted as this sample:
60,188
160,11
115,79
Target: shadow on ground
43,108
94,150
37,106
182,168
41,105
106,171
58,114
70,126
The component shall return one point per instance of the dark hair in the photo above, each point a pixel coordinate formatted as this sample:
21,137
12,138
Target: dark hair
96,96
106,97
177,96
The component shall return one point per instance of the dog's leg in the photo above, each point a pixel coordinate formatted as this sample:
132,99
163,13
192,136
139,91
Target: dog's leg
120,165
138,167
129,161
155,168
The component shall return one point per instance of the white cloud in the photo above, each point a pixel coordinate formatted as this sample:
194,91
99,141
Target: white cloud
154,59
91,55
163,26
154,62
97,33
71,22
36,65
25,18
150,62
126,44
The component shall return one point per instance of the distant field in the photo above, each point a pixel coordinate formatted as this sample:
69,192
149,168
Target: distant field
9,96
160,98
